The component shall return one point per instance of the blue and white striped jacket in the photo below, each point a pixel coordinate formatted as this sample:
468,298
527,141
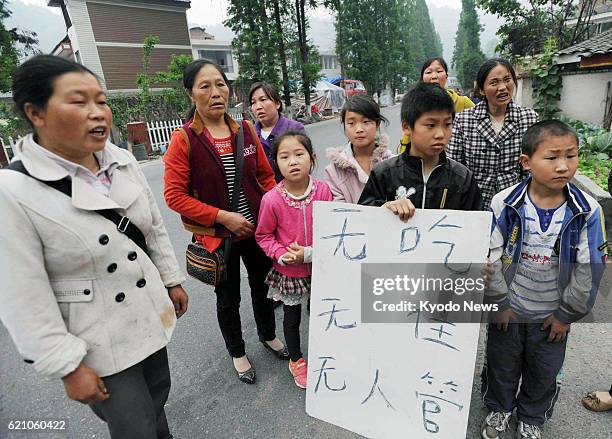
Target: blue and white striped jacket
581,246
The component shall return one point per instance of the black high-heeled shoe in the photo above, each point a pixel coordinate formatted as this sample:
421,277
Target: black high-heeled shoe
282,353
248,376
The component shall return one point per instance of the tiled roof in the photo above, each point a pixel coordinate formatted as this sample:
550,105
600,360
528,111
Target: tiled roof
597,45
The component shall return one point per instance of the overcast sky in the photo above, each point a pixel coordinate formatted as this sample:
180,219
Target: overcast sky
48,23
209,12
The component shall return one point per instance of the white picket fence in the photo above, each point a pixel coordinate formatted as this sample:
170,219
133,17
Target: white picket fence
160,132
237,116
8,147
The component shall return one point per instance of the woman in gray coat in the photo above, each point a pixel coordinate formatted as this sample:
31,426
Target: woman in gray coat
91,288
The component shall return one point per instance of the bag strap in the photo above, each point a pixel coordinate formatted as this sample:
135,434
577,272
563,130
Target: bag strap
123,223
239,148
183,133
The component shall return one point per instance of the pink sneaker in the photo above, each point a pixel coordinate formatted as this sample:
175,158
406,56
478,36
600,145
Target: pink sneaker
299,370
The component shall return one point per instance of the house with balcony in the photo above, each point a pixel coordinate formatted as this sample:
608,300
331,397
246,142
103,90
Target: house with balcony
107,36
205,46
330,66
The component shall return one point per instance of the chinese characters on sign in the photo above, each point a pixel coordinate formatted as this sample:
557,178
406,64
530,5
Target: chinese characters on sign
384,380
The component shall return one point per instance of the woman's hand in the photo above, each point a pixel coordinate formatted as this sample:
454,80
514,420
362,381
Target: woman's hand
402,207
84,385
179,299
235,223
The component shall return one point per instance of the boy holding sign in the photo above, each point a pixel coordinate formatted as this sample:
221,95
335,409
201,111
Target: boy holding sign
547,251
422,175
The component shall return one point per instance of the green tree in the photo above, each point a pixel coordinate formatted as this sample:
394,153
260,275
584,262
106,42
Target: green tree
365,48
255,44
426,31
146,78
468,56
170,103
307,54
280,12
175,96
547,82
528,26
386,49
174,73
14,44
420,36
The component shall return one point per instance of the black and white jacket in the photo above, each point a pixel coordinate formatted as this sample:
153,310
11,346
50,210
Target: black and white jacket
494,159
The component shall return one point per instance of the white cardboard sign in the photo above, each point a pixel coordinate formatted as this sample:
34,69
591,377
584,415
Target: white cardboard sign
388,380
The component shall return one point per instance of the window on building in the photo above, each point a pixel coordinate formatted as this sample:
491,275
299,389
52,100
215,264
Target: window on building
221,57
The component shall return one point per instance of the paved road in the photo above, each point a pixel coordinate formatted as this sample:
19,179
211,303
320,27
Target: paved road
207,401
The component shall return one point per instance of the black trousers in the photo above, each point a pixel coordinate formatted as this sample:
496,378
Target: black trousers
135,407
291,329
522,353
228,296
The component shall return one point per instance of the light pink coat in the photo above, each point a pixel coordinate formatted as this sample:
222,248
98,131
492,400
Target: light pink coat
283,221
345,177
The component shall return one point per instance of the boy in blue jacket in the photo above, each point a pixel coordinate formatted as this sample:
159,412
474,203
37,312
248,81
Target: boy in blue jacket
548,253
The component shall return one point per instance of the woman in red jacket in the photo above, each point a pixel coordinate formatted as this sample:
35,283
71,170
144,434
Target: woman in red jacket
199,183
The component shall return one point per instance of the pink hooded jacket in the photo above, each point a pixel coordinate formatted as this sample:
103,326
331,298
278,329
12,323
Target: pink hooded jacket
345,177
283,221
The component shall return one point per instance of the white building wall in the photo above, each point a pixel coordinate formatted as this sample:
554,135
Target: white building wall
522,95
82,37
583,95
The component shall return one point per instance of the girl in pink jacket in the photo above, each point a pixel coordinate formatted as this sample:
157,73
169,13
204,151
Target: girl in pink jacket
284,232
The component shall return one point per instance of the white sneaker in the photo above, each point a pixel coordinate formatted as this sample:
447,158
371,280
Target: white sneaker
494,424
528,431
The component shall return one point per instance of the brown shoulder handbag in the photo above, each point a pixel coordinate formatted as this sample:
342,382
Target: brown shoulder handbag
210,267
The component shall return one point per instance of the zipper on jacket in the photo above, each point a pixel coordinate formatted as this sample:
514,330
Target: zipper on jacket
424,183
561,245
305,225
521,247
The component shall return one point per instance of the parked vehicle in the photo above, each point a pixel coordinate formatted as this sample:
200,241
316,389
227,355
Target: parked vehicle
352,86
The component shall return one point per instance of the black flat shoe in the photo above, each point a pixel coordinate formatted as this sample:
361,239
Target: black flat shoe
282,353
247,376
